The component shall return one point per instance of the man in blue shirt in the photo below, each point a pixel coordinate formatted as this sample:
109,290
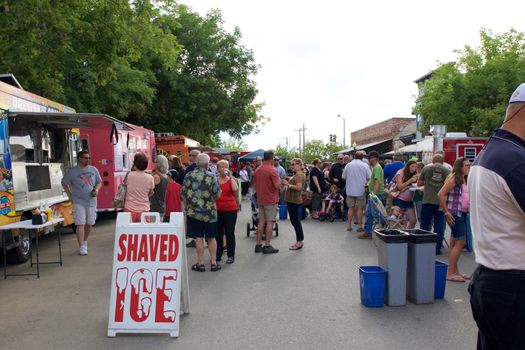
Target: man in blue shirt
392,168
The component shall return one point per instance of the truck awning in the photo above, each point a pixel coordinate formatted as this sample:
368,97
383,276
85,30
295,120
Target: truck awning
72,120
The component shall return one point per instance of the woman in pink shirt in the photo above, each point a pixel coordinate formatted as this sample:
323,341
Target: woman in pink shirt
140,186
405,178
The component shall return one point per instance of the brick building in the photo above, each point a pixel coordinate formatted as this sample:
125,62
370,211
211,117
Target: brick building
380,136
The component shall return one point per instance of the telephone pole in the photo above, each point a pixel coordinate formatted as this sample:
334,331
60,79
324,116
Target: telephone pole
287,139
299,130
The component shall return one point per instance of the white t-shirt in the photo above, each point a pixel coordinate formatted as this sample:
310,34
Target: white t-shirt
356,173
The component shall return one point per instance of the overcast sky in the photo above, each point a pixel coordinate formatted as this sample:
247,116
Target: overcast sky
357,59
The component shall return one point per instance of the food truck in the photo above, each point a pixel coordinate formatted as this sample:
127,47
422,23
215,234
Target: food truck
115,161
39,141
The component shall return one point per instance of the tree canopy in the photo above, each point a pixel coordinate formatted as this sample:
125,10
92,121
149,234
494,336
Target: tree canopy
153,63
312,149
471,95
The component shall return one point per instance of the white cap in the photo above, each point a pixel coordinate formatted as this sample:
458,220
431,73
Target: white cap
518,95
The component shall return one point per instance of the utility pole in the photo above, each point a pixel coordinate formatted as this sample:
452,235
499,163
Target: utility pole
287,139
344,131
299,130
304,138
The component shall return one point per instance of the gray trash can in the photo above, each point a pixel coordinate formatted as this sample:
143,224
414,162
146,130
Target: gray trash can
392,256
421,266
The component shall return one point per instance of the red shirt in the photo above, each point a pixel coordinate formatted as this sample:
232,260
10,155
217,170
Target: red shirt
264,178
226,201
173,198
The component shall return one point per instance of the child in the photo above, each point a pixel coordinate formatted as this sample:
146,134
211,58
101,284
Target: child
333,198
396,217
173,203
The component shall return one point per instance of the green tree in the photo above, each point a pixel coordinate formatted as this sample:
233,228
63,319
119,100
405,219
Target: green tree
234,145
471,94
318,149
213,90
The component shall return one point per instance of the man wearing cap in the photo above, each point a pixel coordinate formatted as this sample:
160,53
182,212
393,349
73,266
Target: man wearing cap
497,209
279,168
376,186
433,177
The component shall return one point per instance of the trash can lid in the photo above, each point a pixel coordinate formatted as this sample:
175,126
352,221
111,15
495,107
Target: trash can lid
417,235
392,236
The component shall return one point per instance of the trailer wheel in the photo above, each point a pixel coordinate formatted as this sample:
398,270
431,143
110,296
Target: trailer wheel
19,254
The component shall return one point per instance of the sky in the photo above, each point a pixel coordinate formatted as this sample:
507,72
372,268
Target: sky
359,60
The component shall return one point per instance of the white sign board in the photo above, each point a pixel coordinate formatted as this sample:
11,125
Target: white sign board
147,275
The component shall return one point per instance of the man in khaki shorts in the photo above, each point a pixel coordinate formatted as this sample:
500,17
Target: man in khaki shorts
267,185
82,184
356,174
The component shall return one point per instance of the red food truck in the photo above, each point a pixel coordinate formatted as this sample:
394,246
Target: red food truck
115,161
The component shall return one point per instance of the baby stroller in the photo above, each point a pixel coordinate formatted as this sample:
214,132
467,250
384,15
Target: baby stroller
388,223
255,218
336,210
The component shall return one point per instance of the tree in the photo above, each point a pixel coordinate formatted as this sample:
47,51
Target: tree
234,145
471,95
213,90
318,149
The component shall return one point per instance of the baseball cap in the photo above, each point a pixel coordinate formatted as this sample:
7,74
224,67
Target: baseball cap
518,95
276,158
373,154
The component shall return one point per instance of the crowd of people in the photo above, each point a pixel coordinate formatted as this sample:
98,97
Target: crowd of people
432,195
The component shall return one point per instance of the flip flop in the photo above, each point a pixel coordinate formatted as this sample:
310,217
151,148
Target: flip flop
456,278
295,247
467,277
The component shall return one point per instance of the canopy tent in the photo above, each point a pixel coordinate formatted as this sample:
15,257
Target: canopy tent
250,157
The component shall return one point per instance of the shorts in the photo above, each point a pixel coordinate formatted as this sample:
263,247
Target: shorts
356,202
267,212
201,229
402,204
316,201
459,230
84,215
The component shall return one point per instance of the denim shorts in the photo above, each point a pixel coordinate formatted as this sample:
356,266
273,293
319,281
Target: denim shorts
459,230
403,204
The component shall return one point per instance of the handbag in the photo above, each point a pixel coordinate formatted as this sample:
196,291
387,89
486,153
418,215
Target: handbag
120,197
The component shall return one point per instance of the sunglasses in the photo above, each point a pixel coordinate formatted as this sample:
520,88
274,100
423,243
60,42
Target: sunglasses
88,158
340,158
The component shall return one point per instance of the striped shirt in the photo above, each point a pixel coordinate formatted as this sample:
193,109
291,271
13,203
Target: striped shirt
497,202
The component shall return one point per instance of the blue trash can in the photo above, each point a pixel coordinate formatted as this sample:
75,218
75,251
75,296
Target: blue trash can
372,282
441,280
283,212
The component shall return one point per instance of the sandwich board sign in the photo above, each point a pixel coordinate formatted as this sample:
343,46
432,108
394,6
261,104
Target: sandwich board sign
148,272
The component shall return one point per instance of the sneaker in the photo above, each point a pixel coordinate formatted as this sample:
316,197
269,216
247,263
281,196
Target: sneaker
85,245
364,236
258,248
191,244
83,250
268,249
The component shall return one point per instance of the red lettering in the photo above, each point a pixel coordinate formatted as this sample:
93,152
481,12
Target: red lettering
153,246
143,251
141,289
122,246
163,254
165,297
132,247
173,248
121,287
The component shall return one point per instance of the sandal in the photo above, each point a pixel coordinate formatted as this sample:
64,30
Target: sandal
296,246
215,267
230,260
198,267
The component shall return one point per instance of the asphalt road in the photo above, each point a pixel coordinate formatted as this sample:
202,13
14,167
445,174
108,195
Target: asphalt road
307,299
